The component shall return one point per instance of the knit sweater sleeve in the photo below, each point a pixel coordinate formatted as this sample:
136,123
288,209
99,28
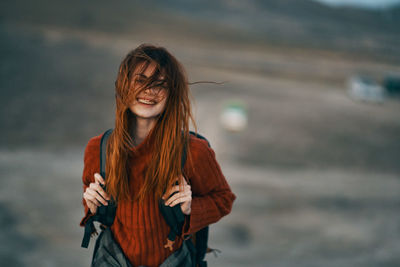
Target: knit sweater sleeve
212,197
91,165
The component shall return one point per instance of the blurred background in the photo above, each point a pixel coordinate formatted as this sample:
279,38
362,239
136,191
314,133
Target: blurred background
306,126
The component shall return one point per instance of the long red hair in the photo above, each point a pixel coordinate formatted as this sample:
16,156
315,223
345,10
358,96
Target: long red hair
169,135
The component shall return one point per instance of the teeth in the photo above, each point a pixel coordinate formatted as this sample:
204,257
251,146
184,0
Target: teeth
146,101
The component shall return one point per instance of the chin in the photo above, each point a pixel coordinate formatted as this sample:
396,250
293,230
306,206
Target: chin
145,115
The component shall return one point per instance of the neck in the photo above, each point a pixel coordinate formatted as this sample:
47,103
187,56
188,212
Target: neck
142,129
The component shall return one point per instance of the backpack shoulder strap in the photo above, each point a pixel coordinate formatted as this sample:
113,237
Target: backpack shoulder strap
184,154
199,136
201,236
175,219
103,152
104,214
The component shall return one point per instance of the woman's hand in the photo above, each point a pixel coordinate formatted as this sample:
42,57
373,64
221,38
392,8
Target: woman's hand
184,197
95,195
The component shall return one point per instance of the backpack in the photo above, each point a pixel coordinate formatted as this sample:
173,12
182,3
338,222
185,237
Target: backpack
105,215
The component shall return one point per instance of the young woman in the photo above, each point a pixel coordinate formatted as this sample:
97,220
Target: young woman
144,154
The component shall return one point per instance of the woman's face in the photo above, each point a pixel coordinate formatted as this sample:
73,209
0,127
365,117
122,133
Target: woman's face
149,103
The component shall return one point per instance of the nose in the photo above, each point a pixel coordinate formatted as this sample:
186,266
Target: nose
151,91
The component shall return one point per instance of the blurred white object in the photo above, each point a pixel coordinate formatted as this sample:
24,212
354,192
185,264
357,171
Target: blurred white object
363,88
234,116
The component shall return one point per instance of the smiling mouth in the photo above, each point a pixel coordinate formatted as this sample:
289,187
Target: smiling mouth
145,101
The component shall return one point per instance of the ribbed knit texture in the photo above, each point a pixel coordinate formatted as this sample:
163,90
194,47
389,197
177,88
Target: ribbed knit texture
140,229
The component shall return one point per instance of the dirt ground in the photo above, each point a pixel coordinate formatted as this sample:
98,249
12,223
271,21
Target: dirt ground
316,174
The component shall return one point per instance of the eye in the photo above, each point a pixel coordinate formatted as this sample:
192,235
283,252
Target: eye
140,81
159,88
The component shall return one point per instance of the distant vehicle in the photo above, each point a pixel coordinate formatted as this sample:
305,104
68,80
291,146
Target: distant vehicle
363,88
392,85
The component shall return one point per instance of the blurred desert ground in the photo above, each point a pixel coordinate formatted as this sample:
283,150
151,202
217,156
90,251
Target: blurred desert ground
316,174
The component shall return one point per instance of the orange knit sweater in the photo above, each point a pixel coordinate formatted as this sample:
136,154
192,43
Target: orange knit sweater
140,229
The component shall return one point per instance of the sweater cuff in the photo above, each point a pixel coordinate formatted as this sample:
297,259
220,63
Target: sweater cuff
197,219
